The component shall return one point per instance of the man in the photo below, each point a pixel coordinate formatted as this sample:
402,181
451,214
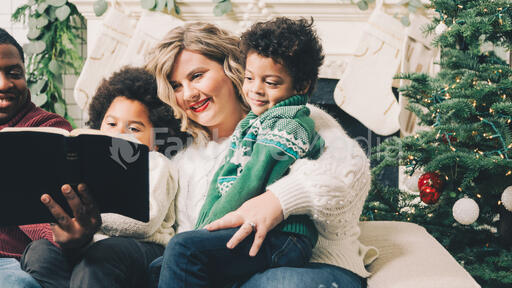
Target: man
17,110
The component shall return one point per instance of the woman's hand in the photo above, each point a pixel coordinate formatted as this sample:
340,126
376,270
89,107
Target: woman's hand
261,213
78,231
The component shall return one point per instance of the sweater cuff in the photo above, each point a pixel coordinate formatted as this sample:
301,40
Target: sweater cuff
292,197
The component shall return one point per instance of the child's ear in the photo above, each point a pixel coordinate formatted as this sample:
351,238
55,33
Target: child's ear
305,87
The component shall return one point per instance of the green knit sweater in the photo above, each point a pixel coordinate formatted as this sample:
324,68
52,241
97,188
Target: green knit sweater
262,149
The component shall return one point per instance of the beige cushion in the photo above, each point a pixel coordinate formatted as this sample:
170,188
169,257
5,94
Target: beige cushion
410,257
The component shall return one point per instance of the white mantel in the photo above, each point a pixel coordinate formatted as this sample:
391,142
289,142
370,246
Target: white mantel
339,22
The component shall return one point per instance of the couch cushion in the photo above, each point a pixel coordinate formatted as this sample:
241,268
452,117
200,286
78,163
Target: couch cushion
410,257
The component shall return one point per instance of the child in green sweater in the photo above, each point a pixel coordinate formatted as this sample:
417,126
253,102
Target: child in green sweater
283,57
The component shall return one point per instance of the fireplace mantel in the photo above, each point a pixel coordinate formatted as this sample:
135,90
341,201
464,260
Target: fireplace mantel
339,22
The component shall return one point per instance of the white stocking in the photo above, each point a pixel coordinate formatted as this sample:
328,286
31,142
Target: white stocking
150,29
364,90
116,32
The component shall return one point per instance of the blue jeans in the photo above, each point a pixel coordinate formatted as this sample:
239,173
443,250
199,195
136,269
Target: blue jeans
200,258
112,262
316,275
12,276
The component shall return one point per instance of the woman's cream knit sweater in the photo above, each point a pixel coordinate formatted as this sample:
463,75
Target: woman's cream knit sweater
331,190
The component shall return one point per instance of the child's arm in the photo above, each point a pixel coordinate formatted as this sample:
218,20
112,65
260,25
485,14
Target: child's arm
273,153
161,201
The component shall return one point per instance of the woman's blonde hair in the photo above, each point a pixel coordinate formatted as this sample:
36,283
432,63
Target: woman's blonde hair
212,42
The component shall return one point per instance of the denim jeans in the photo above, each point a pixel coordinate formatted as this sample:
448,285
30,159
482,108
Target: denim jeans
112,262
317,275
200,258
12,276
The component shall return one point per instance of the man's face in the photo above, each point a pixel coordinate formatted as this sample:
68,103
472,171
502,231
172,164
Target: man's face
13,85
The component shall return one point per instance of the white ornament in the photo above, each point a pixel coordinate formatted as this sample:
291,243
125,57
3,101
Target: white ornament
441,28
251,6
262,4
265,12
506,198
465,211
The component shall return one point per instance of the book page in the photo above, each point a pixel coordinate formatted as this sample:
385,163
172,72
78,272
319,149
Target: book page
53,130
89,131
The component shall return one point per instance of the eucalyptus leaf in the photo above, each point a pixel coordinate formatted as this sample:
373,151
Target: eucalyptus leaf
170,5
42,7
363,5
177,9
35,47
32,22
36,87
51,14
42,21
54,67
28,49
370,1
147,4
412,9
39,99
57,81
33,33
100,6
415,3
222,8
160,5
60,108
56,3
62,12
405,20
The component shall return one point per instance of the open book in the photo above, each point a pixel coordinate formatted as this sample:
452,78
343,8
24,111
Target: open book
40,160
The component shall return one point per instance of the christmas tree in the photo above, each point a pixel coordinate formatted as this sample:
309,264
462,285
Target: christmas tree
465,157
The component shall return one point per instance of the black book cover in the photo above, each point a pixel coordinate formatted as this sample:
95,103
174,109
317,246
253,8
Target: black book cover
36,162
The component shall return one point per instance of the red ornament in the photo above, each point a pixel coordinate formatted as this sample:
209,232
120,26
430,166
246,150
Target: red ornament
429,195
431,179
452,138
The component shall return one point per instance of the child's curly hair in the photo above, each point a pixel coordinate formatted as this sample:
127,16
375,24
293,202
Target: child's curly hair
138,84
291,43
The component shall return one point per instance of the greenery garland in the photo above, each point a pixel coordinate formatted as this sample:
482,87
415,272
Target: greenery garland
221,6
55,28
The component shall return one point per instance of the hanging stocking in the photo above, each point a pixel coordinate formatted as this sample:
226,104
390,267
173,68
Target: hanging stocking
150,29
417,57
116,31
364,90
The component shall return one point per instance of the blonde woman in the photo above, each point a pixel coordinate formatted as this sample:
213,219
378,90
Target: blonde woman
199,73
205,91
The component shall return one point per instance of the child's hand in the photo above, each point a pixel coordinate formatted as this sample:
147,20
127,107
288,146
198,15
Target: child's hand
78,231
261,213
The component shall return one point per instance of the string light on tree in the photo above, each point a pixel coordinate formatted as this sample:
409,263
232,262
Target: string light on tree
465,211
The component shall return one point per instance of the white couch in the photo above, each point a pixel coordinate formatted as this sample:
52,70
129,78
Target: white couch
409,257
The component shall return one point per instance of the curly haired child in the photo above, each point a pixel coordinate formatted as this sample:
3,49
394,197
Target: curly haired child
125,103
283,57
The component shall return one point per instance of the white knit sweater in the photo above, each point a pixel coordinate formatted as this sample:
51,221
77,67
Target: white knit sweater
159,229
331,189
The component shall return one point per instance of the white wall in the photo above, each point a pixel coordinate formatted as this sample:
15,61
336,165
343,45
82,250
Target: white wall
19,32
